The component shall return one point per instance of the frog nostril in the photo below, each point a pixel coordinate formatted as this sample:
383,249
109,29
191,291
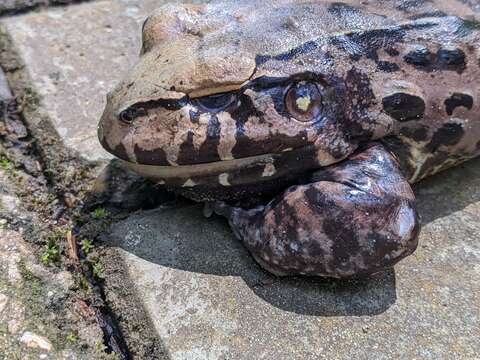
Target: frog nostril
129,115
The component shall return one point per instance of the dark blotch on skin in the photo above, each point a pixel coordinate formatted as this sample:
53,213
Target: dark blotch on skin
188,154
444,59
387,66
392,51
419,57
240,114
404,107
155,157
164,103
210,146
341,9
367,43
305,48
342,233
246,146
121,152
418,134
457,100
358,87
428,14
451,59
448,134
471,24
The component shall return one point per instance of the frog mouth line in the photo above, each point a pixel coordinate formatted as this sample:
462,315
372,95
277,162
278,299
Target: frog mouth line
199,170
248,169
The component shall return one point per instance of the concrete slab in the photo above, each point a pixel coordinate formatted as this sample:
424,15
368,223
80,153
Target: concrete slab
209,300
18,6
41,317
206,297
75,55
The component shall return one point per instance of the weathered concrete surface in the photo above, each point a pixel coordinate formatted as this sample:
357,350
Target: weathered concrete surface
39,315
75,55
37,319
209,300
16,6
205,296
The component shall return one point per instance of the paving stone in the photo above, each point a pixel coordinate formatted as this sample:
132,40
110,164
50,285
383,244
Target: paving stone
5,92
206,297
75,55
209,300
40,315
16,6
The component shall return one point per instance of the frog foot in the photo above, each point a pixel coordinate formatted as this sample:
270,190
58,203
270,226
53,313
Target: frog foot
353,219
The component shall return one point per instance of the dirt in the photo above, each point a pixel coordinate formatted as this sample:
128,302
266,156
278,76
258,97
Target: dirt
72,201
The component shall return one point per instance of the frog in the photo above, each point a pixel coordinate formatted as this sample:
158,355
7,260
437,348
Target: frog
327,112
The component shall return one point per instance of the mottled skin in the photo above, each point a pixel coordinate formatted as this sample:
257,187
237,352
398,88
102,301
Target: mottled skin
349,220
340,103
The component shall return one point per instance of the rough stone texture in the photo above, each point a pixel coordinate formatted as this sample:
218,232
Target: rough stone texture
5,92
38,316
16,6
209,300
75,55
204,294
36,319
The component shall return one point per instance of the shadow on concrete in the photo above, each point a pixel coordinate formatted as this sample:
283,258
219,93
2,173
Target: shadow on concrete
449,191
180,237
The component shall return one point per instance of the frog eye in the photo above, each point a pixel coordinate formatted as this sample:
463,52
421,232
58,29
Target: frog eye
304,101
130,114
215,103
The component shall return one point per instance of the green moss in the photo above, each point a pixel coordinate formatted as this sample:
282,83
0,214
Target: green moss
98,269
50,255
7,166
99,213
87,246
32,283
72,337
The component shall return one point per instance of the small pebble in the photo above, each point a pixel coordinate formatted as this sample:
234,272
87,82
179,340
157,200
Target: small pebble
69,200
32,340
3,302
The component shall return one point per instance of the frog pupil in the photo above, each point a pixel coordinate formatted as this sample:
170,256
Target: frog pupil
304,101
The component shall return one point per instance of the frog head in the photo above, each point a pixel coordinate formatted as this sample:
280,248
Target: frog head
219,106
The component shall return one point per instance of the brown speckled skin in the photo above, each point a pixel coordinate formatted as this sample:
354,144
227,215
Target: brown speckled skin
351,220
401,73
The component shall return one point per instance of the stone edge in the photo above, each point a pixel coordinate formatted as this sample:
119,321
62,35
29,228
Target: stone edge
54,153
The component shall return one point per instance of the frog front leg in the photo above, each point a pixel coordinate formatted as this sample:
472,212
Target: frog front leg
354,219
